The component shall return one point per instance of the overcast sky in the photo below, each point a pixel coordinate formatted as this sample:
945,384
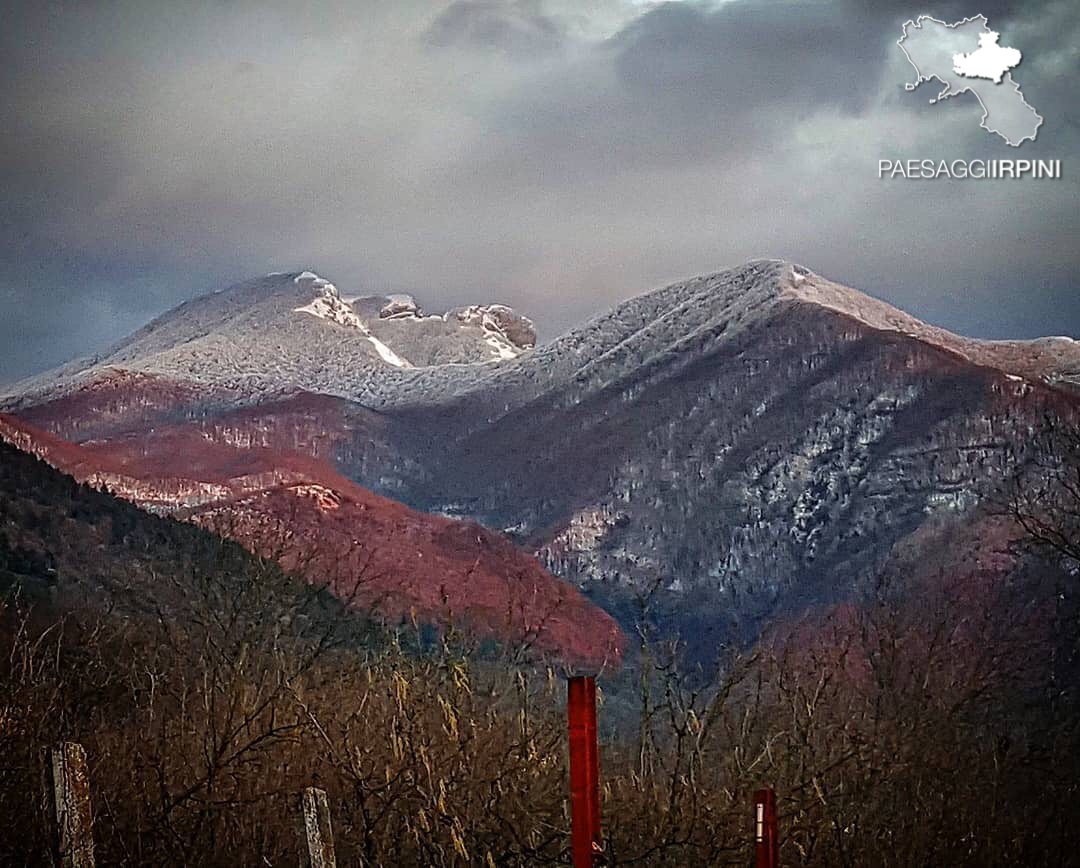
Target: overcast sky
556,155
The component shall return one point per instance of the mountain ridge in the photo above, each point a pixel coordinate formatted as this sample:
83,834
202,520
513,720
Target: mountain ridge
367,374
370,551
760,437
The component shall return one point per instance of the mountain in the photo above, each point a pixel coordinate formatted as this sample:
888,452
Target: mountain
372,552
744,444
65,545
291,331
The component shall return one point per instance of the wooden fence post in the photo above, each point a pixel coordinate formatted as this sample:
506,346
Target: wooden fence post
318,845
584,771
71,795
766,835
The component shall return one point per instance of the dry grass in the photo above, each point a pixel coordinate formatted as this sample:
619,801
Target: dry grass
889,743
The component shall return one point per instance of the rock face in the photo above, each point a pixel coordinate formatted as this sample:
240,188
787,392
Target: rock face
750,442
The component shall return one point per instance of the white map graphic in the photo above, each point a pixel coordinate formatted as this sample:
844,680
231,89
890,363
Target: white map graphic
964,57
991,61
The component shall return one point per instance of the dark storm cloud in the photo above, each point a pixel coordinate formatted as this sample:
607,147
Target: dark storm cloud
693,82
685,83
747,56
553,154
1045,30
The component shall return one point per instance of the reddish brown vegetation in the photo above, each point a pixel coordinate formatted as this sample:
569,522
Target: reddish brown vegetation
929,726
371,550
122,400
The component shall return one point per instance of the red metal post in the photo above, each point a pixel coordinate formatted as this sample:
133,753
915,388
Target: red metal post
584,770
766,836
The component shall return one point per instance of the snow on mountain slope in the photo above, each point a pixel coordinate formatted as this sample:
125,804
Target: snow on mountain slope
295,332
288,332
752,441
761,432
330,306
1051,359
461,336
673,325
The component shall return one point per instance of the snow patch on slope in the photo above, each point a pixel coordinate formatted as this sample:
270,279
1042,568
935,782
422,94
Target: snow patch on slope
501,348
385,353
507,333
331,306
335,310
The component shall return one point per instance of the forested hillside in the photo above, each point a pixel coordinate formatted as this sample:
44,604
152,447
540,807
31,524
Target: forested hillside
209,689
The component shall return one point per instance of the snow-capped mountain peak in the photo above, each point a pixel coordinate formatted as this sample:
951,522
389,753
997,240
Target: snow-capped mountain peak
310,277
296,331
505,331
329,305
1055,359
